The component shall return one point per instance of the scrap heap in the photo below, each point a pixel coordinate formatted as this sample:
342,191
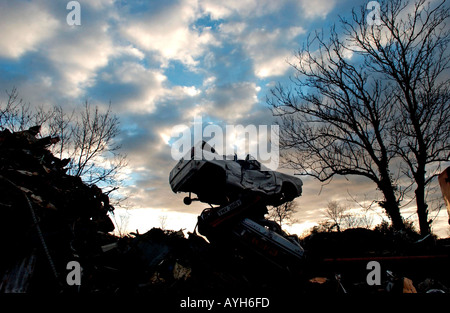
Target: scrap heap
241,191
48,217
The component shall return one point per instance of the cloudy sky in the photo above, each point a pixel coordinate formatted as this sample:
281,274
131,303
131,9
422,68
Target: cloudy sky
160,64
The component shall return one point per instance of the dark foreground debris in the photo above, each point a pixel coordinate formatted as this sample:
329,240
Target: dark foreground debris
50,218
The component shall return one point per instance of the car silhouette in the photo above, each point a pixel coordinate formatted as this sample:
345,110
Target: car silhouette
218,180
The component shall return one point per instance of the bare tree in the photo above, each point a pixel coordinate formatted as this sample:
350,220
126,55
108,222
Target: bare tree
88,138
339,217
121,224
18,115
163,222
61,125
373,95
95,154
336,213
410,49
335,120
284,213
357,220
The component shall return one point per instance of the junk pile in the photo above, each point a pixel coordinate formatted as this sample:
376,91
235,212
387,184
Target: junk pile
238,193
402,261
241,191
48,217
51,222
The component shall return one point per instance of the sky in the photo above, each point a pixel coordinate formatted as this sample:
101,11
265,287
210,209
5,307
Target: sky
161,64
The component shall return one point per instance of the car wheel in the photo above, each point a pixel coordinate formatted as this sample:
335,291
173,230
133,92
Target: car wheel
187,200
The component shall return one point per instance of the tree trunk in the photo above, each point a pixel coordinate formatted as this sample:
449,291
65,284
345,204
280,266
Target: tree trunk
422,206
393,212
390,204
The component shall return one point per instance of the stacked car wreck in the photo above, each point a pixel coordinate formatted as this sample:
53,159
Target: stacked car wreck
241,191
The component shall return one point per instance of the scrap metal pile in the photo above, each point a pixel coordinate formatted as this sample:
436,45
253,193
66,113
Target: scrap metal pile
48,217
241,190
238,193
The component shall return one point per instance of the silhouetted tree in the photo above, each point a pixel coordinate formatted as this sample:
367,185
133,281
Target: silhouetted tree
410,50
336,213
340,217
284,213
87,137
365,98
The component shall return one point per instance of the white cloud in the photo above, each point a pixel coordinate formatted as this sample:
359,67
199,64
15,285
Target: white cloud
190,91
148,85
230,102
268,48
311,9
129,50
209,81
169,33
78,54
100,4
224,9
24,26
233,28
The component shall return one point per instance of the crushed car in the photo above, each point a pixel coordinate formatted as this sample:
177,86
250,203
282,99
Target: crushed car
217,179
241,191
